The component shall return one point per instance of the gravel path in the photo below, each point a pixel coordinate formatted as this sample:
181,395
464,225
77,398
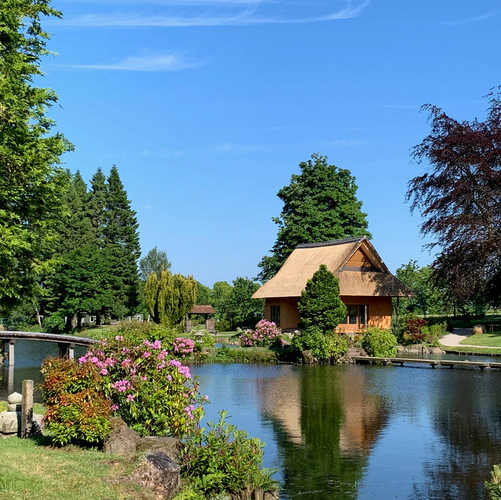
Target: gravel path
459,334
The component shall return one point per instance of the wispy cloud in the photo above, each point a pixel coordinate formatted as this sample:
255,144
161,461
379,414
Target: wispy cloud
458,22
165,62
247,17
476,19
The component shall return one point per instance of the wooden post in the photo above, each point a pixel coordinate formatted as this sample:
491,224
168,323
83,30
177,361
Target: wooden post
71,351
27,409
10,383
11,351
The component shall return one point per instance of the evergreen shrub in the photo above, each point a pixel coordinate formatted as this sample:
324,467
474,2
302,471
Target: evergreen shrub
379,343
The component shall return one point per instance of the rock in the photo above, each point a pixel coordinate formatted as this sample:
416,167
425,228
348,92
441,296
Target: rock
478,329
15,407
308,358
400,348
10,422
122,440
158,472
435,350
15,398
168,445
424,349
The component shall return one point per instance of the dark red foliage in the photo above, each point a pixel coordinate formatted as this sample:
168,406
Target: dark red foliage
460,201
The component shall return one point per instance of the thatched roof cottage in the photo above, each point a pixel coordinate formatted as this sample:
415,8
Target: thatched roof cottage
366,285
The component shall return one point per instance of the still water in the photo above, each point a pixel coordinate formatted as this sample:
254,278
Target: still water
350,432
360,432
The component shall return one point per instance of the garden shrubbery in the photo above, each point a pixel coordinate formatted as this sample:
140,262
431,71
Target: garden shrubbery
266,333
323,346
379,343
223,459
77,410
154,394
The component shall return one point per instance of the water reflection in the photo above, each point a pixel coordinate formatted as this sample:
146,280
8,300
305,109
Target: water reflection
358,432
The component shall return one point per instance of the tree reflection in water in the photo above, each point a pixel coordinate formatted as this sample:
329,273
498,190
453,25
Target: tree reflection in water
325,423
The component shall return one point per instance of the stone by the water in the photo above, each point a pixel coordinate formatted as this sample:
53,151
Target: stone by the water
15,398
122,439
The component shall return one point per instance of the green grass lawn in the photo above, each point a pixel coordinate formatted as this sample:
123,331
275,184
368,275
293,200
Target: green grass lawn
484,339
32,470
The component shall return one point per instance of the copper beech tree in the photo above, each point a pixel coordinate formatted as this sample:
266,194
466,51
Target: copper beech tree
459,199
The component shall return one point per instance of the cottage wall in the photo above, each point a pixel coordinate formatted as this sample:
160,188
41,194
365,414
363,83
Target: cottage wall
289,314
379,312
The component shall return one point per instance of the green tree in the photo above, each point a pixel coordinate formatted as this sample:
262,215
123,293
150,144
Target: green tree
30,180
82,283
242,309
320,204
121,245
204,295
221,292
169,297
428,297
155,261
320,305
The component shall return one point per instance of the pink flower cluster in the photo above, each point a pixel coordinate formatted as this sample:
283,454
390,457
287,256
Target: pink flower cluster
265,333
183,346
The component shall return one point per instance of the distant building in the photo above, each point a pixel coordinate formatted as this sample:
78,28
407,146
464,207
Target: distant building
366,285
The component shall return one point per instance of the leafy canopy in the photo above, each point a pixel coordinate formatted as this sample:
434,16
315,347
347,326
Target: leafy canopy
320,204
460,201
30,181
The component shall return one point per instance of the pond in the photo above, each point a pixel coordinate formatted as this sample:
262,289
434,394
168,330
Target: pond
351,431
360,432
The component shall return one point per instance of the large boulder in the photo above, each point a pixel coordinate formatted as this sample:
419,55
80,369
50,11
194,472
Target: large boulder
159,473
122,439
10,422
168,445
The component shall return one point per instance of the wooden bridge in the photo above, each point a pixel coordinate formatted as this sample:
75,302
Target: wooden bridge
434,363
66,343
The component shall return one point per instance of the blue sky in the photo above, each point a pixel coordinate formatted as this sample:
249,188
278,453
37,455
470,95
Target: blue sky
207,107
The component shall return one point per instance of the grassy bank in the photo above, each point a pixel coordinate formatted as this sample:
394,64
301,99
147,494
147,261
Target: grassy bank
484,339
472,350
32,470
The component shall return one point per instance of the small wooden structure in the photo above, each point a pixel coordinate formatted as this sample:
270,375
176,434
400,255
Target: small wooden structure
366,285
66,343
207,312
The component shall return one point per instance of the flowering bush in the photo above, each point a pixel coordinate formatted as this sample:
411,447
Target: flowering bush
265,333
183,346
154,394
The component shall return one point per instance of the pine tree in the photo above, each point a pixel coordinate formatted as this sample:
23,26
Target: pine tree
320,305
121,245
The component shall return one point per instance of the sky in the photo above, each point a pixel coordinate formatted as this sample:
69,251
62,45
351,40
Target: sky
208,106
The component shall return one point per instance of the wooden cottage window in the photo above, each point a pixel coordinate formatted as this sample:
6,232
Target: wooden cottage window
357,315
275,315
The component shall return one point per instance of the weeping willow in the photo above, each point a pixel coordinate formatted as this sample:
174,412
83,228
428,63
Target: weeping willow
169,297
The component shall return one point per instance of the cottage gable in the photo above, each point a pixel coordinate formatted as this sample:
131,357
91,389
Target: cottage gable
366,285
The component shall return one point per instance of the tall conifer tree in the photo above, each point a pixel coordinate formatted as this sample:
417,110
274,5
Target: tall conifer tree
121,243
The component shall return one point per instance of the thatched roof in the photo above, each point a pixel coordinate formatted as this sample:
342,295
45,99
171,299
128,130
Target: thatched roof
202,310
369,277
